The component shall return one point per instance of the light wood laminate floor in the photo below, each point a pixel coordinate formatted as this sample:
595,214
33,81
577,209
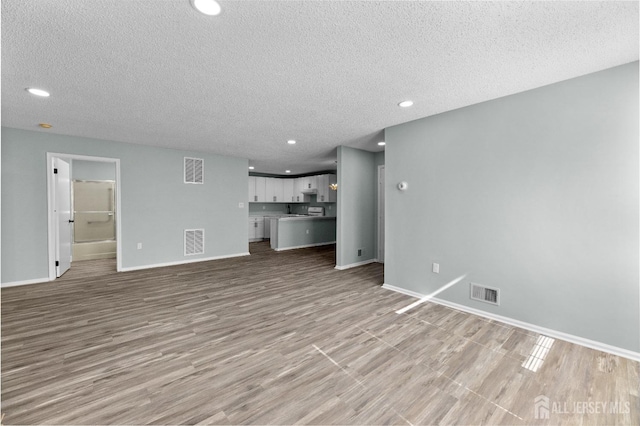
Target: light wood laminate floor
281,338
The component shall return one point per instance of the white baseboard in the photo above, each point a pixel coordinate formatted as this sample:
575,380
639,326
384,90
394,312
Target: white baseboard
182,262
26,282
403,291
354,265
592,344
305,246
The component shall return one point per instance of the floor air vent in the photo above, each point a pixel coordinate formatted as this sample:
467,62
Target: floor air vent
193,241
485,294
193,170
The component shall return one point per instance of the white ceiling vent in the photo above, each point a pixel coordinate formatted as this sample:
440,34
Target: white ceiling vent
485,294
193,170
193,241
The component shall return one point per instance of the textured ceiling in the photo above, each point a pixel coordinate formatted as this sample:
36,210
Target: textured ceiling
325,73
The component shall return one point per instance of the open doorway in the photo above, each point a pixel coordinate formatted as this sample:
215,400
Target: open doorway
84,211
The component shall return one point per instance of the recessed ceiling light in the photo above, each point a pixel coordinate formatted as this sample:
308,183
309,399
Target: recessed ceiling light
405,104
208,7
45,125
383,143
251,167
38,92
287,171
291,142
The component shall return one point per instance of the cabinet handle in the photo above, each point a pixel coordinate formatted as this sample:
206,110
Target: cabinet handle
255,224
274,198
255,198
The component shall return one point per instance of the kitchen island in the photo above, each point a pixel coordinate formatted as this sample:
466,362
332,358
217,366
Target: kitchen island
289,233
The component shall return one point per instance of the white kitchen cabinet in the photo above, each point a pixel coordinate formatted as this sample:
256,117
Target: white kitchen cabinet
290,190
274,190
261,196
298,184
267,228
333,194
257,189
289,195
326,194
309,182
323,188
252,189
256,228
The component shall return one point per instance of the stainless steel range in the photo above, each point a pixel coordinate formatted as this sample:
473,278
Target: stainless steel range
315,211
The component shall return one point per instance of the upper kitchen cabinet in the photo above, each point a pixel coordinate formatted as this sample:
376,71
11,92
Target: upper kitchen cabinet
292,190
298,196
252,189
275,190
325,193
257,189
288,186
309,182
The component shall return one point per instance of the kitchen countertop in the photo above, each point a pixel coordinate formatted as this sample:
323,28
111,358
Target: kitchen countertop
272,215
292,218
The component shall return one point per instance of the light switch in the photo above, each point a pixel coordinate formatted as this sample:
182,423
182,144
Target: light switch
139,246
436,268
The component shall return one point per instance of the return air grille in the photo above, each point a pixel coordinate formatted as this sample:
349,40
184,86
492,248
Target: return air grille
193,170
193,241
485,294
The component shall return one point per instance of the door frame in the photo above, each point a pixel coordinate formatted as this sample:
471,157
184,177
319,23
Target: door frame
67,228
380,223
52,236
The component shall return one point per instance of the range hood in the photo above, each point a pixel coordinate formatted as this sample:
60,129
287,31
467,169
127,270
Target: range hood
309,191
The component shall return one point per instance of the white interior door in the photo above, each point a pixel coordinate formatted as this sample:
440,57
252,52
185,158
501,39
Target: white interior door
381,214
62,215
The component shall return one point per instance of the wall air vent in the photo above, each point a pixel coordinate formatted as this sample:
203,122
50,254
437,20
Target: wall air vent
485,294
193,241
193,170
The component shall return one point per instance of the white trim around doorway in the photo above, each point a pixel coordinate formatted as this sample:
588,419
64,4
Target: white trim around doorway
381,213
51,236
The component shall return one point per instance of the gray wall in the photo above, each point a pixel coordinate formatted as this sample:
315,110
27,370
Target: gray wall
156,205
293,233
92,170
536,194
356,227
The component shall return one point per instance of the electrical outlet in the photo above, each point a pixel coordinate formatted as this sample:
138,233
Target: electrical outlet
264,207
139,246
307,231
436,268
241,205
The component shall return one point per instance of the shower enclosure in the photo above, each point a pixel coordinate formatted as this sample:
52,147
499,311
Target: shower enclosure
94,231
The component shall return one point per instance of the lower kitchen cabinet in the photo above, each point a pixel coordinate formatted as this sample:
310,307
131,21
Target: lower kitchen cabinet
256,228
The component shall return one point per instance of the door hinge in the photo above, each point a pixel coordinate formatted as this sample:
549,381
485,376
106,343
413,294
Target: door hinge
55,171
57,263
